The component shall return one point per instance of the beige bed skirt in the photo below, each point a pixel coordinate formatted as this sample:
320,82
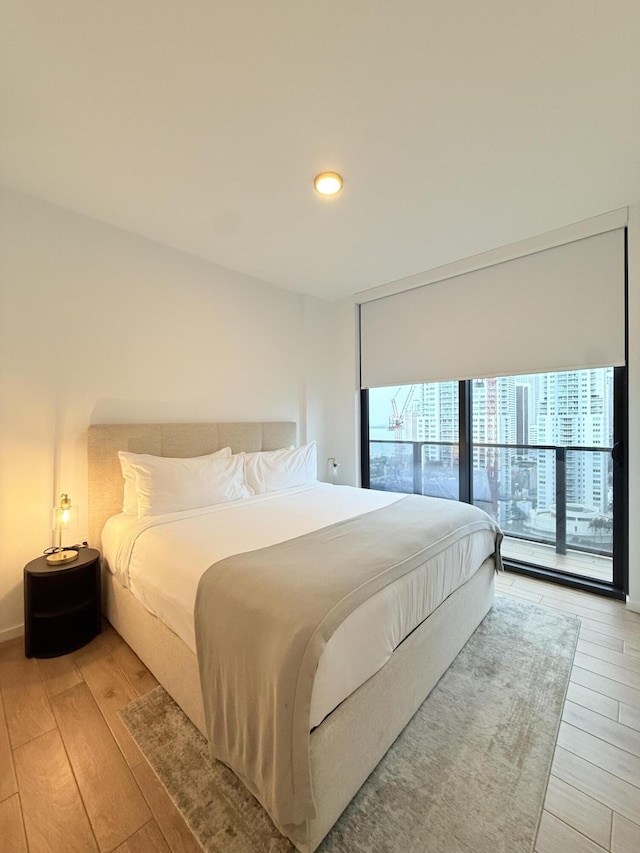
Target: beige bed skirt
343,750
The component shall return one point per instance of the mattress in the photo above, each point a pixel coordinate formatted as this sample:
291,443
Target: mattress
161,559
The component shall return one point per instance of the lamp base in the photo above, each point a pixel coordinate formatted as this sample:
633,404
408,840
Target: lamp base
62,556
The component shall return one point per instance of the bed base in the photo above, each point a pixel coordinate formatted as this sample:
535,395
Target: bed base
343,750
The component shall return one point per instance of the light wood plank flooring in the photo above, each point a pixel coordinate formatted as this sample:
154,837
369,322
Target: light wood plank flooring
71,778
593,798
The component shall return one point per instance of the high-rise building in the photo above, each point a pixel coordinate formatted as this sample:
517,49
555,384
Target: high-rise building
493,422
572,412
523,393
510,417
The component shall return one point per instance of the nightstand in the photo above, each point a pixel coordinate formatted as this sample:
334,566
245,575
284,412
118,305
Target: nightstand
62,607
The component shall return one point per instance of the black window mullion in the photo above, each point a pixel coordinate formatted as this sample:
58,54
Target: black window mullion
465,452
365,449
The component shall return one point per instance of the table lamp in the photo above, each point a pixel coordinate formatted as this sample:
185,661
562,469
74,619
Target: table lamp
61,518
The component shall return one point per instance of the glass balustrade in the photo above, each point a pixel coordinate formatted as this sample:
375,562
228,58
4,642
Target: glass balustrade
554,504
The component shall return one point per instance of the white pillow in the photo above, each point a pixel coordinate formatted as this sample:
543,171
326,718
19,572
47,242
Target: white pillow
159,484
271,470
130,500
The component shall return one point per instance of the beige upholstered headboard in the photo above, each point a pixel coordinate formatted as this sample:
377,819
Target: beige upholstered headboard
195,439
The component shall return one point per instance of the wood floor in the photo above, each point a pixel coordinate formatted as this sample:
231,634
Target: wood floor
71,778
73,781
593,798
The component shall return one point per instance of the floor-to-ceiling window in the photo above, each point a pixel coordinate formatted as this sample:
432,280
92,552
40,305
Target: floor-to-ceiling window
535,451
505,385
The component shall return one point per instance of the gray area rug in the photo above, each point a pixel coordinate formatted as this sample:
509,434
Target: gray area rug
467,775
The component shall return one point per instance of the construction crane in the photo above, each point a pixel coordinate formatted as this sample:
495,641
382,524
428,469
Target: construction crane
396,421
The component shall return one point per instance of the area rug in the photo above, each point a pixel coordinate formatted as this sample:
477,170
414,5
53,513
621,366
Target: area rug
467,775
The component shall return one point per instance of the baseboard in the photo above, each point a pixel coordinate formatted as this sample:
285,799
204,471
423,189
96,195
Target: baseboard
11,633
633,605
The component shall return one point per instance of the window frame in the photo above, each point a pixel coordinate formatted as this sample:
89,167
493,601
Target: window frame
618,587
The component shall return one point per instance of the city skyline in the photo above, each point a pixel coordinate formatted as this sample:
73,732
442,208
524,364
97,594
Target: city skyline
516,485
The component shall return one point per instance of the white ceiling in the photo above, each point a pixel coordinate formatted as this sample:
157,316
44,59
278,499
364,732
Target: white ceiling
458,125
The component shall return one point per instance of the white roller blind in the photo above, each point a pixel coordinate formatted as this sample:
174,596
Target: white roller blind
558,309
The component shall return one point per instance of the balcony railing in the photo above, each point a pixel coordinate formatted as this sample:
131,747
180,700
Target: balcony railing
553,495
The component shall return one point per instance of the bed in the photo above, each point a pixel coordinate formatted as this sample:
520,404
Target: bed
343,750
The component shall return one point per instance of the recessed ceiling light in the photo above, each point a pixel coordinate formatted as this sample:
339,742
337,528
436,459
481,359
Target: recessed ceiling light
328,183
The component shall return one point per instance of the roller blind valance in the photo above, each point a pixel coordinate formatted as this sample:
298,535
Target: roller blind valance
558,309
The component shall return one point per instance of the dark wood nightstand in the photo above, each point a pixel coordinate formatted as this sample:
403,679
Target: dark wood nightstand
62,606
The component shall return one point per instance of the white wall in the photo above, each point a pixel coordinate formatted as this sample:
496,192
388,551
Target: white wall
98,325
343,408
634,406
332,382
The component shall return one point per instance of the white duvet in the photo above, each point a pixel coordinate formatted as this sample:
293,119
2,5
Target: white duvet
161,559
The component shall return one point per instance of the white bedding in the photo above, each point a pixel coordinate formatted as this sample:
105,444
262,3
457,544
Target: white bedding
161,559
